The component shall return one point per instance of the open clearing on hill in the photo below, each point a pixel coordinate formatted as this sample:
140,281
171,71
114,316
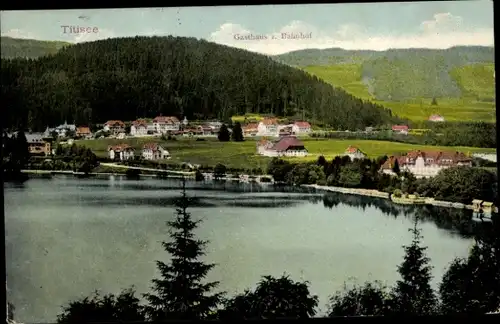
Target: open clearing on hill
476,82
242,155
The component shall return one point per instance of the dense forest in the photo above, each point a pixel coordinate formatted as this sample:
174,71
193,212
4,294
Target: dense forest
129,78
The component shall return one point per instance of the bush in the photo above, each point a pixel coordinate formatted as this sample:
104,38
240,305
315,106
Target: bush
397,193
199,176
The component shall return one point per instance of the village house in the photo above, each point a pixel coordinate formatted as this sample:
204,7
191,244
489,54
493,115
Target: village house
62,130
164,124
250,130
285,146
120,152
83,132
301,127
215,125
37,145
153,151
139,127
268,127
286,130
400,129
354,153
114,127
205,130
196,131
426,164
436,118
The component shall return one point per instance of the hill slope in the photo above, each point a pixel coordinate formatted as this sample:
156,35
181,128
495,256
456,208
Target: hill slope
407,80
28,48
129,78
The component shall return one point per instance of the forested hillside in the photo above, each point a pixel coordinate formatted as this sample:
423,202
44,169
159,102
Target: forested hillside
28,48
129,78
400,74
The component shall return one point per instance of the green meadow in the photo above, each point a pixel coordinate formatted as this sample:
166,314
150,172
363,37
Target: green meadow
243,155
475,81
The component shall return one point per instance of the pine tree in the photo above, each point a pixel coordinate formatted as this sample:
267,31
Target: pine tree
223,134
237,135
395,167
413,294
180,293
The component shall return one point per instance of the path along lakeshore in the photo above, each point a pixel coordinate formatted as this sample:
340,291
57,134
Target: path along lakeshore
385,195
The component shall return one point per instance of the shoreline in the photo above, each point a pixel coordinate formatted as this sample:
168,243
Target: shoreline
402,201
162,174
245,179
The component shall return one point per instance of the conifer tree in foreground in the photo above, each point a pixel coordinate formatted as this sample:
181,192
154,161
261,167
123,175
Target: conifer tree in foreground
413,294
180,294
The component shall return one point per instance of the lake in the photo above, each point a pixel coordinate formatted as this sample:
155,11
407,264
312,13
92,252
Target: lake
67,237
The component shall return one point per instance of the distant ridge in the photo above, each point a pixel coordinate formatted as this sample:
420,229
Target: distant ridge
28,48
402,74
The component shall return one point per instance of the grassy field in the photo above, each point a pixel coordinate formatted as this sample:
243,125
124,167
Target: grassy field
243,155
474,80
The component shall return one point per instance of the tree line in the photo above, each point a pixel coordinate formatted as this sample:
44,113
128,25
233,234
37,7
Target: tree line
470,285
456,184
478,134
129,78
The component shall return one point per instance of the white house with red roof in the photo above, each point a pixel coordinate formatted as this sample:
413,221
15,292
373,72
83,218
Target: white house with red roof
426,164
285,146
400,129
250,129
164,124
121,152
354,153
301,127
154,151
139,127
268,127
114,126
436,118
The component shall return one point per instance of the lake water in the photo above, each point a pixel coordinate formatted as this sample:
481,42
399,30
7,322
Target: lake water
67,237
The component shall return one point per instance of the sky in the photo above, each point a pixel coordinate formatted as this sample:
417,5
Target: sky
375,26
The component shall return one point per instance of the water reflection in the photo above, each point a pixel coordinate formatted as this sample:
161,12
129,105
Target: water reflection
453,220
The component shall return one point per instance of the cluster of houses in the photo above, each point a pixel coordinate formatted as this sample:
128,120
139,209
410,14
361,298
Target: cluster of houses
150,151
161,125
271,128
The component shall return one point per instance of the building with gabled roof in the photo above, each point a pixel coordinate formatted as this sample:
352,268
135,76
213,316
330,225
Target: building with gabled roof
301,127
164,124
268,127
139,127
83,131
114,126
401,129
121,152
285,146
425,164
154,151
354,153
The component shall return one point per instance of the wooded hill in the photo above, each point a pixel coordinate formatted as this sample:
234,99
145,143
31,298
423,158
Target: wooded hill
399,74
28,48
129,78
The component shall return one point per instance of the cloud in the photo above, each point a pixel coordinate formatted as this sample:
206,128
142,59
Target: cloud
444,30
19,33
442,22
92,36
